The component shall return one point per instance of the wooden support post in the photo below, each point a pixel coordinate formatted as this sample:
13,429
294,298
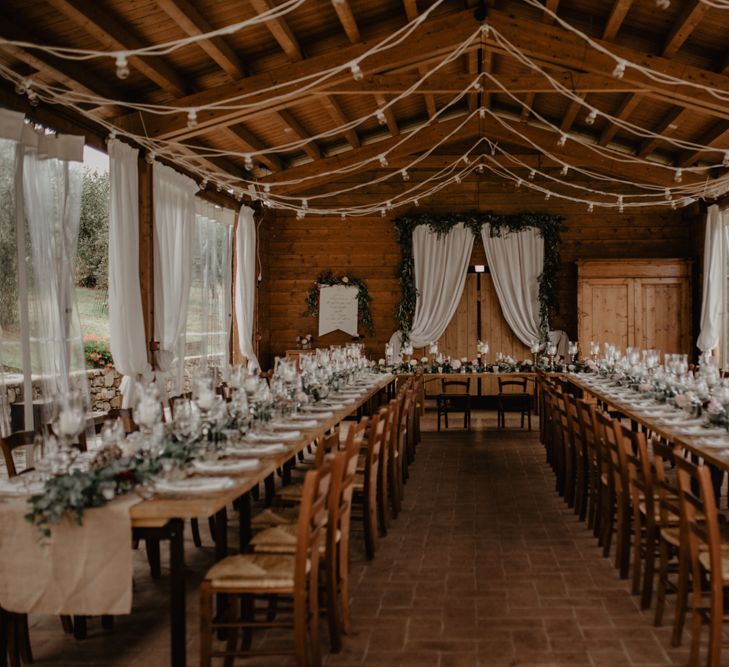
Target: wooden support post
146,254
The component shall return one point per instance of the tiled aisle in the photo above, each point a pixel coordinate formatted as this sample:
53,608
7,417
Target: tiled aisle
485,566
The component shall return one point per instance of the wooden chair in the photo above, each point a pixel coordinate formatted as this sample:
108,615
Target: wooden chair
398,435
514,397
335,549
592,461
579,452
708,552
256,575
454,401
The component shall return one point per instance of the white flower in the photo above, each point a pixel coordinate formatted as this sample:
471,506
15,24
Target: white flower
527,362
474,362
413,362
456,364
423,360
345,280
464,360
381,362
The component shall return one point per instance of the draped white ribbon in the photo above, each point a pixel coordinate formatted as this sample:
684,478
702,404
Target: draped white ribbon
245,282
126,319
712,305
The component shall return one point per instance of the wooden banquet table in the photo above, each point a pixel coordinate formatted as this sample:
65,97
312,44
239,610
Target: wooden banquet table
716,455
162,518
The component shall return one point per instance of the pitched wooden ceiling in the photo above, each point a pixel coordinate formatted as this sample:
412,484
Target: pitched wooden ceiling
687,40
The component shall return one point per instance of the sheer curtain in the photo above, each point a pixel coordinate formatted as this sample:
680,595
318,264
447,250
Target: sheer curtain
516,261
209,315
126,320
174,227
52,181
245,281
715,276
441,265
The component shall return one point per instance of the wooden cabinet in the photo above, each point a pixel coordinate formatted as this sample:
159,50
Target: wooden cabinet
641,303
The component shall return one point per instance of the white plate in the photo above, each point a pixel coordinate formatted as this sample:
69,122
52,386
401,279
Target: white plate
712,442
191,485
273,437
321,411
700,430
296,423
334,406
243,451
19,488
225,466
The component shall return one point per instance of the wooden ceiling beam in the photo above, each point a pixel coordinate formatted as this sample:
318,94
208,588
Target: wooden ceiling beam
668,125
528,106
569,117
554,45
185,15
314,172
472,66
280,31
690,17
626,108
430,106
433,38
248,142
552,6
389,116
717,136
487,65
339,117
411,9
115,36
440,161
346,18
616,18
310,148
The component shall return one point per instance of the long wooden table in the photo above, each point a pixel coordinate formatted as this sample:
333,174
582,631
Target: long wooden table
712,455
163,518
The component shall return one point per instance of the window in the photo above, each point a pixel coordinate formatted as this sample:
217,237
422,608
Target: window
209,314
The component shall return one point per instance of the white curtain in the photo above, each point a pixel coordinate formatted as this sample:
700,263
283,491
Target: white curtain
174,226
52,181
245,282
126,320
516,261
712,305
441,265
209,315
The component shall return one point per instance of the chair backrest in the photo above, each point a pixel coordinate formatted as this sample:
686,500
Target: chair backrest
700,520
374,450
512,384
613,462
587,424
327,444
447,386
665,457
313,514
574,424
11,442
640,476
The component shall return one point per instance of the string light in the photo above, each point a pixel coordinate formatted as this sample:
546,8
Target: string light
619,70
405,175
518,183
477,86
466,159
562,140
356,72
248,161
21,86
480,169
191,118
150,157
591,117
304,204
564,170
678,176
547,196
485,30
416,202
668,194
343,215
532,174
382,212
383,161
300,214
457,178
673,205
267,188
725,161
621,206
122,66
482,113
388,205
381,117
590,207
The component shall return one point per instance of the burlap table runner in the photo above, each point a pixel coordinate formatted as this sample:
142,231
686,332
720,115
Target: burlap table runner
80,570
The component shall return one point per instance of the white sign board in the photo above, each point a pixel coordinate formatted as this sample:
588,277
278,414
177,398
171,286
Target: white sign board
338,309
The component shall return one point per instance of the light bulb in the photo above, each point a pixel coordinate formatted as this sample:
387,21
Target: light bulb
33,98
204,183
458,178
405,175
122,67
493,149
564,170
518,183
380,115
619,69
678,176
248,161
548,195
111,137
383,161
192,117
673,205
466,159
21,86
725,161
668,194
591,117
482,113
532,174
356,72
480,169
300,214
485,29
388,205
562,140
416,202
343,216
477,86
382,212
621,206
304,204
267,188
590,207
149,157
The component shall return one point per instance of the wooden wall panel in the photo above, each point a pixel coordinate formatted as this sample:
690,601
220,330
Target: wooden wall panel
298,250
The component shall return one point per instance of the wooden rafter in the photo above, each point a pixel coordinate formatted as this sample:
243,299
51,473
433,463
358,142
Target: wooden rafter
487,64
185,15
339,117
616,18
626,108
433,38
569,117
528,105
472,66
280,31
117,37
310,148
551,5
247,141
389,116
346,18
429,97
682,29
411,9
668,125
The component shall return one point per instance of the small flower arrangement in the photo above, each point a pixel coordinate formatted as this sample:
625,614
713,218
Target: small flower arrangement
97,353
304,342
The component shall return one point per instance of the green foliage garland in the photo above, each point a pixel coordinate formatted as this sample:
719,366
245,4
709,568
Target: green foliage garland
549,227
363,297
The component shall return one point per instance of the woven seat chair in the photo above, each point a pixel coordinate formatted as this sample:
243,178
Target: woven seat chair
251,576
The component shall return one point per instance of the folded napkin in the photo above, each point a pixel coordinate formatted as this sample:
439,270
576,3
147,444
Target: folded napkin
273,437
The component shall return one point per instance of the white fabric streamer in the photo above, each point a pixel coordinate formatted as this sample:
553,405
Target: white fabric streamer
245,282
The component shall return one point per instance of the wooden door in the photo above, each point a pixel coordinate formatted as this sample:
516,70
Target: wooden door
606,312
663,314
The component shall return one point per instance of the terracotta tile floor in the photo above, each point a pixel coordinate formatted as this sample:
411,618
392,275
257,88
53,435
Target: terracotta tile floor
485,566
